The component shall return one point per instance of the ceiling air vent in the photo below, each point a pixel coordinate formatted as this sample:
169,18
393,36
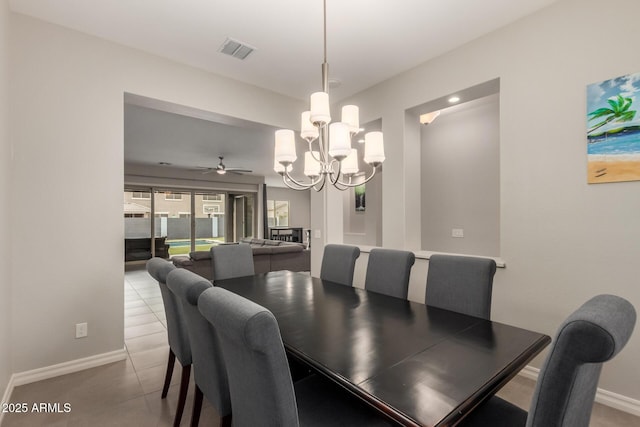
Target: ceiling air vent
236,49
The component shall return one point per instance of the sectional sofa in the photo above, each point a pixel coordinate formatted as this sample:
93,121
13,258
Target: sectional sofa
268,255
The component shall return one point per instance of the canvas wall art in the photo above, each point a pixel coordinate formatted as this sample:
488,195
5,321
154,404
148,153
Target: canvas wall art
613,130
360,198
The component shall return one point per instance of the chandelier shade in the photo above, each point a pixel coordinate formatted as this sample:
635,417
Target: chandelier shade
312,167
350,163
351,116
307,130
285,146
373,148
339,140
329,157
320,109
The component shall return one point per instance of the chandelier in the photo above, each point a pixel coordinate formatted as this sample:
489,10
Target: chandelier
332,159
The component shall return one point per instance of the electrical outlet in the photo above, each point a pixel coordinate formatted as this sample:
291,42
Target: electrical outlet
457,232
317,234
81,330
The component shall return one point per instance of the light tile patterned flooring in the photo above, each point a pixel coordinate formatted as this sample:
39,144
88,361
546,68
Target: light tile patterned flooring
127,393
124,393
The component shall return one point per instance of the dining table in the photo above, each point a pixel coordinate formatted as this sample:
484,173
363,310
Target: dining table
419,365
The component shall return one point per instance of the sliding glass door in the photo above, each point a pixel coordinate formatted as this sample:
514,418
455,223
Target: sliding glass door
209,219
172,225
167,222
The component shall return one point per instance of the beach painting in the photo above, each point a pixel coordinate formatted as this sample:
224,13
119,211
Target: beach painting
613,130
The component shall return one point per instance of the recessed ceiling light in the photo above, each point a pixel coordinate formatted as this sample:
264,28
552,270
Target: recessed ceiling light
453,99
164,163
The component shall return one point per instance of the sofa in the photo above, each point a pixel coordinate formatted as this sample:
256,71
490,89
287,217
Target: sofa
268,255
136,249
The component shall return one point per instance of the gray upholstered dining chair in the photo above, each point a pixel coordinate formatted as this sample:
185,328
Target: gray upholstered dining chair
338,263
460,283
209,370
388,272
230,261
568,380
179,346
262,392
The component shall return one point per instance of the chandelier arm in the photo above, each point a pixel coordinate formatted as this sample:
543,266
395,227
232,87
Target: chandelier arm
337,175
301,184
293,187
341,186
317,159
351,185
324,182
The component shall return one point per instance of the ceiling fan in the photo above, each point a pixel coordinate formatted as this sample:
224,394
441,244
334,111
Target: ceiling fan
221,169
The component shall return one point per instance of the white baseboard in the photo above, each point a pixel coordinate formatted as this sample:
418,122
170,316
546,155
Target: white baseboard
6,396
605,397
69,367
27,377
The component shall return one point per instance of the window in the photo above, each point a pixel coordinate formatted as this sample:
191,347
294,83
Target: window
278,213
209,209
212,197
162,215
184,214
172,196
140,195
134,215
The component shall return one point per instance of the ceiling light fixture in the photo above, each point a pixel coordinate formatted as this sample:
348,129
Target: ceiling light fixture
454,99
333,158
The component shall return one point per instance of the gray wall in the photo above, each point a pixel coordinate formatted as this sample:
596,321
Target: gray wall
5,189
364,228
562,240
73,85
299,204
461,179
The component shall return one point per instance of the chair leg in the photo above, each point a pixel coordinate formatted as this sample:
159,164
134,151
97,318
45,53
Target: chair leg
167,376
182,397
197,407
225,421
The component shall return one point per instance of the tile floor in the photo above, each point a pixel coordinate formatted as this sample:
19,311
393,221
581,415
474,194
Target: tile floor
127,393
124,393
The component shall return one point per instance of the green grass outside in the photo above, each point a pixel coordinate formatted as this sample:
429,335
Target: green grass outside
184,250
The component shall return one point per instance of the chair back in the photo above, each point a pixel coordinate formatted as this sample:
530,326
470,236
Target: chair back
210,373
388,272
229,261
178,335
460,283
338,263
259,379
568,380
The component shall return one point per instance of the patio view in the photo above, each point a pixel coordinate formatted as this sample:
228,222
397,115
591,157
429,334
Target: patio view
172,213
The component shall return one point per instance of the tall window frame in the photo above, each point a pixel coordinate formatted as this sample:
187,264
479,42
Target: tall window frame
160,212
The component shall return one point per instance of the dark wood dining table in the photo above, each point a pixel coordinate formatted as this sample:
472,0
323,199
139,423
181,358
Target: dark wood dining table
419,365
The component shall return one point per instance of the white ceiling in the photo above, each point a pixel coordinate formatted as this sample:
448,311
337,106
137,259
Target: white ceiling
368,42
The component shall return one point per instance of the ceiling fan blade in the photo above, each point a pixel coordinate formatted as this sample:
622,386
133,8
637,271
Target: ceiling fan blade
238,170
208,170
